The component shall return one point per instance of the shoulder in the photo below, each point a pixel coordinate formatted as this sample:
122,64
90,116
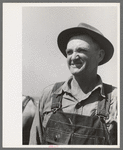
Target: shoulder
47,91
113,107
110,89
50,89
112,93
45,97
114,100
46,94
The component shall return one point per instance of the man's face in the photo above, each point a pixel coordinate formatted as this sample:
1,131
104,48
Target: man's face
82,55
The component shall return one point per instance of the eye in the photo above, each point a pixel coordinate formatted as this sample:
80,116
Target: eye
81,50
69,51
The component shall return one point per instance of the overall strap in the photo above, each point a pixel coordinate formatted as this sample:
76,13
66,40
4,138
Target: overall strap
103,105
57,99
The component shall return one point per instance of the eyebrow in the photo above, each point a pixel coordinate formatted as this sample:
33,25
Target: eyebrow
68,49
83,48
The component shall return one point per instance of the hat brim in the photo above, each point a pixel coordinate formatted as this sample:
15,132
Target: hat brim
104,43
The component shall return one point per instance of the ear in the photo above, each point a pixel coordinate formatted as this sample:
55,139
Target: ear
101,55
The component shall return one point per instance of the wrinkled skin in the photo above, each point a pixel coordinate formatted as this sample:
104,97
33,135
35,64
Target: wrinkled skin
83,55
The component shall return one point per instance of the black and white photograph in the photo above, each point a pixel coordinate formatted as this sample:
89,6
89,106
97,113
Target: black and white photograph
66,70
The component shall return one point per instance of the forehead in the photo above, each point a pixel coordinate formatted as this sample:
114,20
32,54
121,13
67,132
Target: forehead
81,40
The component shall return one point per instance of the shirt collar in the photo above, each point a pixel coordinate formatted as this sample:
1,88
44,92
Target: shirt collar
100,85
66,87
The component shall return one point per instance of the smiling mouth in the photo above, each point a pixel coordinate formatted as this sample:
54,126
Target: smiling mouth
76,65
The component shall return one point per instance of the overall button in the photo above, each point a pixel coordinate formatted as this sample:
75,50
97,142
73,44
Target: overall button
57,136
78,105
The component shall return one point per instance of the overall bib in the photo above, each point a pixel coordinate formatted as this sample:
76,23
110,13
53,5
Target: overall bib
73,129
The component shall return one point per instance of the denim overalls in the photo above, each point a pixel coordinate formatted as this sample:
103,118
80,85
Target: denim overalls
73,129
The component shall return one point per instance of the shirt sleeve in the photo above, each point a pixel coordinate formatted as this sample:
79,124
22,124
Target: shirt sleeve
112,121
36,132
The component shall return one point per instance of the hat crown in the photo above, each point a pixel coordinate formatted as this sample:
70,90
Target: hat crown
84,28
89,27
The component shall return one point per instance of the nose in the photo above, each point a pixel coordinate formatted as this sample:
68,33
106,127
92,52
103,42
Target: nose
75,56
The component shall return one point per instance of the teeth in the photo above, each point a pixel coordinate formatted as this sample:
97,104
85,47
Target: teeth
76,65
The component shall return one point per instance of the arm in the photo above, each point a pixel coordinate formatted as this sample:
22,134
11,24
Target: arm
113,117
36,133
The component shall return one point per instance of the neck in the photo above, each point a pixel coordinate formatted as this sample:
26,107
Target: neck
86,83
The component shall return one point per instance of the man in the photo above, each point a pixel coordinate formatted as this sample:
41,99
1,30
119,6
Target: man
81,110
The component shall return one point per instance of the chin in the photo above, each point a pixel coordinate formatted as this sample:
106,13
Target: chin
76,73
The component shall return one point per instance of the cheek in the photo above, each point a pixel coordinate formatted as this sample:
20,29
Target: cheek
93,60
83,56
68,61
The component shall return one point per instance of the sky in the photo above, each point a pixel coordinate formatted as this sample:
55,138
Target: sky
42,62
32,60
